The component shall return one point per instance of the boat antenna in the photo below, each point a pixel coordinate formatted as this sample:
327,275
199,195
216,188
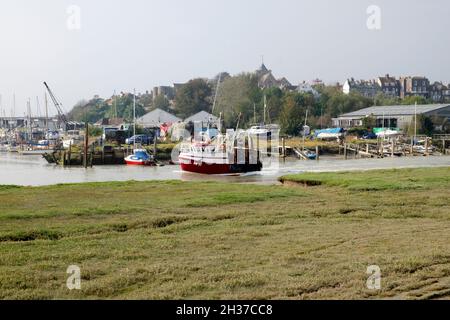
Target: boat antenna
216,93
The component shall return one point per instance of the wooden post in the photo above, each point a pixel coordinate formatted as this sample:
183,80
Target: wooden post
443,147
367,148
381,149
247,150
392,146
426,146
86,142
283,148
257,148
345,151
70,154
317,153
154,146
91,158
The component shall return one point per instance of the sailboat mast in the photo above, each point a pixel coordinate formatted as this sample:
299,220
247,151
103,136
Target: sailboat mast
415,122
30,137
115,105
46,110
134,117
265,107
217,91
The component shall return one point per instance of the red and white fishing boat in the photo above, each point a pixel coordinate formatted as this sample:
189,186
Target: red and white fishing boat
214,158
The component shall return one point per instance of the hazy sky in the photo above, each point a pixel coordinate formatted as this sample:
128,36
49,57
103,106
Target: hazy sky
143,43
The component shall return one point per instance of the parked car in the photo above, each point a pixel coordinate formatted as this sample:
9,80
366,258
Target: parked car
140,138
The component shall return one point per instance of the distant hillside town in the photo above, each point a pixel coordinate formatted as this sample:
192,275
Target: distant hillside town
261,96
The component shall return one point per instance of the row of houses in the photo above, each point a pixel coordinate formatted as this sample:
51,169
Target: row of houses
399,88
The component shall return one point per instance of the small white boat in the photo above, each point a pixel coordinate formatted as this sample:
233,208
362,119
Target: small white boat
140,157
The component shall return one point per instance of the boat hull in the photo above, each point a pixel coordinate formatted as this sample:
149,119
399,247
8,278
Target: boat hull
222,168
139,163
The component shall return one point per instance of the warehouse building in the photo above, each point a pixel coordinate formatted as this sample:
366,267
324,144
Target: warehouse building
398,116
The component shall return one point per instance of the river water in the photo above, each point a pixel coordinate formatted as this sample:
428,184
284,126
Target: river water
35,171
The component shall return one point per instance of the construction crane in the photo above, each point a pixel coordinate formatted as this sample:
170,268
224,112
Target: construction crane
58,106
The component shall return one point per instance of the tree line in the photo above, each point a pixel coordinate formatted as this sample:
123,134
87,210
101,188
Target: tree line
241,96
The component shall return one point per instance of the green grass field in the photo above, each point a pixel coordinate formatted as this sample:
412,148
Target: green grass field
204,240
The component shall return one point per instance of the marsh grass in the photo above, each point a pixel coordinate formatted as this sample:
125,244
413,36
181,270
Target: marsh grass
195,240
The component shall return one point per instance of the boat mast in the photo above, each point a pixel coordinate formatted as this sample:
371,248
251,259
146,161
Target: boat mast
30,137
134,117
304,128
265,107
415,122
115,105
46,110
217,91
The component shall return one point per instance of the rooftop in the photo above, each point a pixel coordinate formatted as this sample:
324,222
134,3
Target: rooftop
202,116
395,110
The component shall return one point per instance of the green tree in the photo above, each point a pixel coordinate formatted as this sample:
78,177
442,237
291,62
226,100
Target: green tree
124,105
426,125
239,95
413,100
369,122
161,102
293,114
193,97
